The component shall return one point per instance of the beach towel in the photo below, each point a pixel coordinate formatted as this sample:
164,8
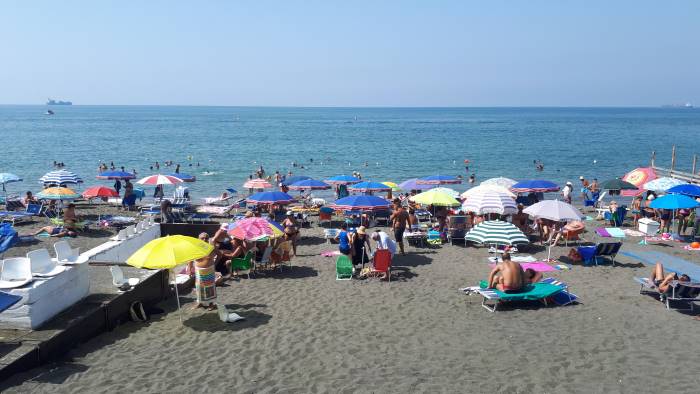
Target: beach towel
518,259
205,284
610,232
671,263
539,266
330,253
688,247
633,233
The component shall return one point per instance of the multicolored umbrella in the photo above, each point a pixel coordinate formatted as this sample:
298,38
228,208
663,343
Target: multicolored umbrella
184,177
309,184
361,202
113,175
57,193
394,187
534,186
660,185
100,192
638,177
257,184
431,197
280,198
496,232
342,180
255,229
488,188
369,186
60,178
412,184
553,210
687,189
155,180
490,202
506,183
439,180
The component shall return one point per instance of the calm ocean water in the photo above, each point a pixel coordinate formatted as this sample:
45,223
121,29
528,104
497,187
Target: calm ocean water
395,143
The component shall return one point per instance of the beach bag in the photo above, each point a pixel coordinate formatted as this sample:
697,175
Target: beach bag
575,256
137,313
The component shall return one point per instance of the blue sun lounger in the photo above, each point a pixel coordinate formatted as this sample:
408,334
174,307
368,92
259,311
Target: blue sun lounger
540,291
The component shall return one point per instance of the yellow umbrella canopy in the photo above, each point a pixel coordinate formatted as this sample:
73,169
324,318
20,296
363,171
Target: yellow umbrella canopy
438,198
169,252
394,187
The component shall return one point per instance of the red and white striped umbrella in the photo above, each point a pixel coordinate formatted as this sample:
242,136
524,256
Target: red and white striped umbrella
159,179
257,184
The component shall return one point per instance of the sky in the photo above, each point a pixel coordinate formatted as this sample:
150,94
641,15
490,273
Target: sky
351,53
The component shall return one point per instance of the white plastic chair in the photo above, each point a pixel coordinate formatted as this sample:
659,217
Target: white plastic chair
64,253
265,259
130,231
41,264
227,316
118,278
121,235
15,272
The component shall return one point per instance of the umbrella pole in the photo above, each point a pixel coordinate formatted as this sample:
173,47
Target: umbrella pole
177,297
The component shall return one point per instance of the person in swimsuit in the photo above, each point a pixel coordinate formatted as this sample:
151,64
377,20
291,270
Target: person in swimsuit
343,240
507,276
662,281
399,222
360,244
56,231
291,227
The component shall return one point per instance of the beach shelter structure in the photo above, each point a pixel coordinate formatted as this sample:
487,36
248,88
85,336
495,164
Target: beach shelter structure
490,202
158,179
412,184
114,175
660,185
258,183
309,184
342,180
361,202
183,177
280,198
500,181
638,177
436,198
534,186
57,193
488,188
369,186
254,229
100,192
169,252
686,189
60,178
439,180
496,232
554,210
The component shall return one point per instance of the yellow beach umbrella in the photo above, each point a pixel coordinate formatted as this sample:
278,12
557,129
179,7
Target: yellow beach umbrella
394,187
438,198
169,252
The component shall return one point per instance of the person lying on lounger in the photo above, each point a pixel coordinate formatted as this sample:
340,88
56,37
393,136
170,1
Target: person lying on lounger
57,231
531,276
507,276
663,281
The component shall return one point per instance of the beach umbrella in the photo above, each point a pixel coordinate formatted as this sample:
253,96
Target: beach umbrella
496,232
638,177
57,193
342,180
506,183
452,192
169,252
280,198
439,180
554,210
113,175
231,190
660,185
673,201
288,181
60,178
534,186
488,188
257,184
431,197
159,179
369,186
361,202
309,184
250,229
490,202
6,178
100,191
254,229
183,177
394,187
687,189
139,193
412,184
617,184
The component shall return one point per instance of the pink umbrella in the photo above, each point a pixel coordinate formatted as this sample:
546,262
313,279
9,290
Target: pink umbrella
257,184
159,179
638,177
251,229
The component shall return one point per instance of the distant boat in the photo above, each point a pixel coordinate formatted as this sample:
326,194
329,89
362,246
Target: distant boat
59,102
49,112
686,105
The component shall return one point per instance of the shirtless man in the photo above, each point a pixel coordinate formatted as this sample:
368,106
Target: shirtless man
399,222
507,276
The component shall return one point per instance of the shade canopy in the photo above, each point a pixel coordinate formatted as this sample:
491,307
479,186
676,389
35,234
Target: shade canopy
496,232
617,184
361,202
257,184
107,175
534,186
437,198
500,181
57,193
61,178
674,201
488,188
100,191
687,189
270,198
394,187
342,180
169,252
159,179
369,186
309,184
638,177
439,180
490,202
412,184
290,180
554,210
254,229
6,177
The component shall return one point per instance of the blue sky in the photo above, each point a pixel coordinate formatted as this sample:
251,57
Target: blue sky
351,53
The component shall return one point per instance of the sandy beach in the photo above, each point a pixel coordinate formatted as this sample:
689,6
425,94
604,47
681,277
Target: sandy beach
306,332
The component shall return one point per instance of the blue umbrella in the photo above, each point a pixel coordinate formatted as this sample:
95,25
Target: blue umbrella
294,179
6,177
270,198
231,190
369,186
687,189
674,201
535,186
361,202
309,184
412,184
183,177
116,175
439,180
342,180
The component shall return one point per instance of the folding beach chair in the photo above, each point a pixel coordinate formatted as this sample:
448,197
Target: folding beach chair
382,263
343,268
608,249
243,265
688,292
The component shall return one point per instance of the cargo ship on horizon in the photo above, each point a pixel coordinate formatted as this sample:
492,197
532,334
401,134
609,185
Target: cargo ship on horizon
59,102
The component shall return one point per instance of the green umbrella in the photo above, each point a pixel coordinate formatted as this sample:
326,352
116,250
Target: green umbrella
617,184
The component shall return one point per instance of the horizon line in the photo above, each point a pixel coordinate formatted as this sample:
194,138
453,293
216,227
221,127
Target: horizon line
667,106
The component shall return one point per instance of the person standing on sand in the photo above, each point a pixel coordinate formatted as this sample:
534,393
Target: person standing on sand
205,282
584,188
399,222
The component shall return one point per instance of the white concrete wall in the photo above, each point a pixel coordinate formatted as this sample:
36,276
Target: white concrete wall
118,251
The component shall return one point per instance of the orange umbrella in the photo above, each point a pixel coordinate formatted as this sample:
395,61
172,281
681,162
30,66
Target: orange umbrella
638,177
100,191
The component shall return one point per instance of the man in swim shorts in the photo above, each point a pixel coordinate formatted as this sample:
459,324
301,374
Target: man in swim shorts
399,222
507,276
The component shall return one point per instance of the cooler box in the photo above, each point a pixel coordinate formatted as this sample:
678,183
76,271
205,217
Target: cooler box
648,226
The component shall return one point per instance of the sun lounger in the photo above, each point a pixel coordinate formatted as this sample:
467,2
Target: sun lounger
688,292
540,291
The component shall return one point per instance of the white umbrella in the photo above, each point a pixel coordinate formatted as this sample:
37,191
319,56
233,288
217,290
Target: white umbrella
60,178
488,188
490,202
500,181
662,184
554,210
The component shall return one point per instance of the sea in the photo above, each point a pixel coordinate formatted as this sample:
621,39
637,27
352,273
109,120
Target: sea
222,146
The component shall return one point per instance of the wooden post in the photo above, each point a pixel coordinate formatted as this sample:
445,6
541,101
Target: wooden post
695,161
673,159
